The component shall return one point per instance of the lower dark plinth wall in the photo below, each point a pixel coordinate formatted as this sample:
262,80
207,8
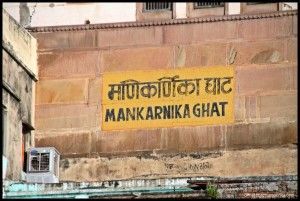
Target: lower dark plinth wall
221,163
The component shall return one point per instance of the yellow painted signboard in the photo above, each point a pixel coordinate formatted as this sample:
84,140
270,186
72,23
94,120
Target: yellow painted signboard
168,98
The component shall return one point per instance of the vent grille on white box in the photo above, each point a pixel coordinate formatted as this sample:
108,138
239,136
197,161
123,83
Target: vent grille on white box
43,165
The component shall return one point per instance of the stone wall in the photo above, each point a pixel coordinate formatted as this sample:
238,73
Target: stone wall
18,86
259,189
238,163
17,98
20,42
262,48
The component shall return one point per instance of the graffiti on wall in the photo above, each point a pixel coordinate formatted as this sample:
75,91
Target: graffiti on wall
167,98
195,167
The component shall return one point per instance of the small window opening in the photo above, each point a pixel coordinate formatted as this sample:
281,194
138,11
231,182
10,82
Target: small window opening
154,6
199,5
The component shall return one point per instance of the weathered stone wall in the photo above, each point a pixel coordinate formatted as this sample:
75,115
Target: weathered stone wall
21,83
259,189
14,136
18,103
18,83
20,42
262,50
215,163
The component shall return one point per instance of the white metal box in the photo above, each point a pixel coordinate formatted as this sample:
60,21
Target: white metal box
42,165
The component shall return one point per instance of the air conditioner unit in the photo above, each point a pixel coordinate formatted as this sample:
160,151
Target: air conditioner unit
42,165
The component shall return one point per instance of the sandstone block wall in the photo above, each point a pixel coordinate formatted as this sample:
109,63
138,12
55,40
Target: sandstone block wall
71,65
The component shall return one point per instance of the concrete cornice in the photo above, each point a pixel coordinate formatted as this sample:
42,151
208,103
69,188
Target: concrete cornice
9,49
6,86
163,22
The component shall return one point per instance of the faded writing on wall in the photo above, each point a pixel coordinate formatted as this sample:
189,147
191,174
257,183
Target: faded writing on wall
196,167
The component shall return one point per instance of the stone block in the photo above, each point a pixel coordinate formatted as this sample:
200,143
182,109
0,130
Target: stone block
52,40
193,33
186,139
237,135
258,52
251,107
295,25
98,117
134,36
67,144
241,136
82,39
170,139
265,28
278,105
200,138
292,50
273,133
200,55
66,64
295,78
59,111
257,79
65,91
127,141
148,58
73,122
66,39
153,139
239,108
292,134
95,91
